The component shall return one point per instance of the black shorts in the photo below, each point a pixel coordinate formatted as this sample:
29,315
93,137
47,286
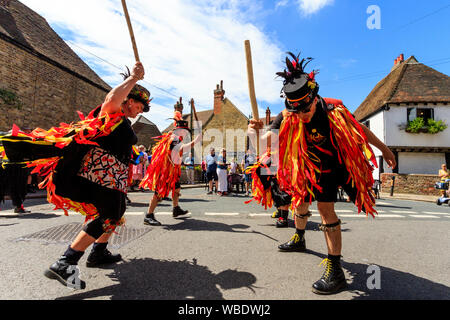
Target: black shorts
211,175
330,182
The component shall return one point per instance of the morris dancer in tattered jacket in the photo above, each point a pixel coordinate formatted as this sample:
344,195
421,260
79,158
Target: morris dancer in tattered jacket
163,173
85,166
266,190
321,146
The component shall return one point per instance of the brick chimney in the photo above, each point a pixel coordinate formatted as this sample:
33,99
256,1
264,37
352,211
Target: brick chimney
267,116
398,61
178,106
218,98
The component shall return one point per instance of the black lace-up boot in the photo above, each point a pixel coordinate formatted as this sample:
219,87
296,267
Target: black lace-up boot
177,212
66,271
151,220
282,221
297,243
333,278
100,255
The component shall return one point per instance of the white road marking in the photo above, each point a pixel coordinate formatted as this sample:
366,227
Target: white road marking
221,213
355,215
404,212
429,212
383,203
164,213
423,216
389,216
260,214
344,211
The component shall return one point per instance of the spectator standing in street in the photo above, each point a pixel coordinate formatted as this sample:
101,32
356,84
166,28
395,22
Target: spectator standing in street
139,168
204,179
222,173
444,174
211,169
189,163
14,182
249,160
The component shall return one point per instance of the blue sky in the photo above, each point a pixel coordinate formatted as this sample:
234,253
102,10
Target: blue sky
352,58
188,46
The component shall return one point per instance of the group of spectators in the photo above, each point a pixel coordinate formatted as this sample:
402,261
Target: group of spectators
139,167
216,169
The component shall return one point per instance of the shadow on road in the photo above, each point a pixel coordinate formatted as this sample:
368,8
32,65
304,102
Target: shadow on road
394,284
151,279
310,226
31,215
202,225
192,200
145,205
392,206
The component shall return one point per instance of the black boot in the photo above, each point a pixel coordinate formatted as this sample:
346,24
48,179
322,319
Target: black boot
66,271
100,256
150,220
297,243
177,211
282,221
332,280
21,209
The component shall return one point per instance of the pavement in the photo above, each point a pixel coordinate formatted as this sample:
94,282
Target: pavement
399,196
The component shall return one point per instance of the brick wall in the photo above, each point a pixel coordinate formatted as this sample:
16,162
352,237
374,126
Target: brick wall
48,94
410,183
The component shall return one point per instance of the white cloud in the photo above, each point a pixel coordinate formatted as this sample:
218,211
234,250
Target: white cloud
281,3
308,7
186,47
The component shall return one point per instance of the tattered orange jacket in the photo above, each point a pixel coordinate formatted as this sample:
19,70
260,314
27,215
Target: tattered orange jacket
297,173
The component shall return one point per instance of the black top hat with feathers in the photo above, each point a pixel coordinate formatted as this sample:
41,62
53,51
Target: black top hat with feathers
138,93
299,87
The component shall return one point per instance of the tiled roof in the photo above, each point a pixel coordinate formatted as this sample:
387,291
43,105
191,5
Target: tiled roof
25,28
409,82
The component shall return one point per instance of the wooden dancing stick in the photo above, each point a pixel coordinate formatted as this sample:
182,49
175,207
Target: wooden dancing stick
130,29
251,87
251,83
193,108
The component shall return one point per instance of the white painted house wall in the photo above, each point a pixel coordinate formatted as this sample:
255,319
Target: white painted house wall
420,163
377,127
395,136
386,125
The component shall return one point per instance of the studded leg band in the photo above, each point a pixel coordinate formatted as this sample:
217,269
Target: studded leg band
329,227
303,216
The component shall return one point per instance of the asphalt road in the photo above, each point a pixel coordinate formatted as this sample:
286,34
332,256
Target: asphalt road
227,250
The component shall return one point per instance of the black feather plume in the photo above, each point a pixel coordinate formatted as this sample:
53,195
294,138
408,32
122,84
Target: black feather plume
126,74
294,68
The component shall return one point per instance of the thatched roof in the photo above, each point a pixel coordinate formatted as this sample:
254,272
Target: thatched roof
408,82
27,30
203,117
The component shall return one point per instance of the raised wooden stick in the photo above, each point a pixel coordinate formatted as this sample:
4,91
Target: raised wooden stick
251,88
251,83
130,29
